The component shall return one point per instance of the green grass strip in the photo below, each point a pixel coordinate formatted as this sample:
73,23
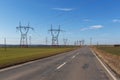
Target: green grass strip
19,55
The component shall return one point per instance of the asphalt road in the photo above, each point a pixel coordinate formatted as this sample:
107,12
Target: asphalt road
79,64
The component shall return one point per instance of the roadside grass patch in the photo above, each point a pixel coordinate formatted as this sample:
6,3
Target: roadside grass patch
111,50
14,56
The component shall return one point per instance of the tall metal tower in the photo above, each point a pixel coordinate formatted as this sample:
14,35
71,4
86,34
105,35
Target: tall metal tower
24,31
30,40
65,41
80,43
75,43
55,34
83,42
46,41
91,41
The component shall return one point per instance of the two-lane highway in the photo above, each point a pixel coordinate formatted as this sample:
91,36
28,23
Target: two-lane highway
80,64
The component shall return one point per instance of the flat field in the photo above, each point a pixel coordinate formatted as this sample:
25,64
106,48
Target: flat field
111,50
14,56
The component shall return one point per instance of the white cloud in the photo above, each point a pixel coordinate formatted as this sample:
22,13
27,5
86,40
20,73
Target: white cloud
92,27
84,29
86,20
116,20
63,9
96,27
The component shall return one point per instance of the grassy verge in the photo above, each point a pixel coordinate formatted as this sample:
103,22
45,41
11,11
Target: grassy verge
111,50
19,55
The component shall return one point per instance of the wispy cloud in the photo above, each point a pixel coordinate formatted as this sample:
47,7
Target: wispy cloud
92,27
87,20
116,20
63,9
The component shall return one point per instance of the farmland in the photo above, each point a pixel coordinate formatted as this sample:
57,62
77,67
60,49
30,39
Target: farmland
111,50
19,55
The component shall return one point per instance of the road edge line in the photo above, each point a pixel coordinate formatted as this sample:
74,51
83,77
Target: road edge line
114,78
17,66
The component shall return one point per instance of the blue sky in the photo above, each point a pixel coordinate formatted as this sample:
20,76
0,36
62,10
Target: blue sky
80,19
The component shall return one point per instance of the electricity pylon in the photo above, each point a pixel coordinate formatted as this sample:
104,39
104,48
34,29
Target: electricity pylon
24,31
80,42
65,41
46,40
55,34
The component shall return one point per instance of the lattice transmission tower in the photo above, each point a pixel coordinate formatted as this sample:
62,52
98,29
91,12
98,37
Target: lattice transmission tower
55,34
24,31
65,41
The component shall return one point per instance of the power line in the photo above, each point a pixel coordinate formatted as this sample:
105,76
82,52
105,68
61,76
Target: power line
65,41
24,31
55,34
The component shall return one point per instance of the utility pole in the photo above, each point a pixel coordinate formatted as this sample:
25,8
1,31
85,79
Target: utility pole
46,41
5,46
55,34
24,31
91,41
77,42
97,43
30,41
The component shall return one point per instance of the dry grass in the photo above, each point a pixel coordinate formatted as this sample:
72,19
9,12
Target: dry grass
109,57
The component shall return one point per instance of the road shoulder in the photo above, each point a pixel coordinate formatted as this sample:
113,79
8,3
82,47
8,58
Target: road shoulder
98,54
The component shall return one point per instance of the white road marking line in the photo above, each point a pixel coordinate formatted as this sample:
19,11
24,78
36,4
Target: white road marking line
17,66
61,65
114,78
73,57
